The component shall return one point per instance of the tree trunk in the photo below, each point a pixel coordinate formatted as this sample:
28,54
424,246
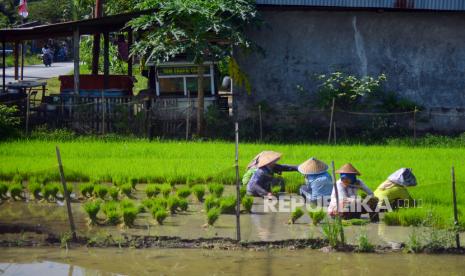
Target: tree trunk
200,101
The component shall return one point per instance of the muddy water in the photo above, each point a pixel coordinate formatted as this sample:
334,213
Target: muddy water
214,262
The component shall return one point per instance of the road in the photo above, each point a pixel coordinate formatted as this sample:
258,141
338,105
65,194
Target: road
35,72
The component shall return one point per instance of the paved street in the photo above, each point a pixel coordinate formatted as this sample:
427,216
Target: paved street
35,72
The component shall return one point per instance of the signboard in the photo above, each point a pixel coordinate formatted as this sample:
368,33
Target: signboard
180,71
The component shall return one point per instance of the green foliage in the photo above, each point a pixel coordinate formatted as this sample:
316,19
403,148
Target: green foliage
172,203
112,212
3,190
275,190
183,204
87,189
152,190
45,134
346,89
15,190
129,215
165,190
92,208
199,192
50,11
228,205
295,215
317,216
243,191
247,203
211,202
127,203
292,187
332,231
213,215
351,222
34,189
216,189
160,215
113,192
17,179
117,65
364,245
9,121
126,189
414,244
184,192
100,191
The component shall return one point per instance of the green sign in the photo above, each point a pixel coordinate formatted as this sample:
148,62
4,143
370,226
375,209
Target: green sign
192,70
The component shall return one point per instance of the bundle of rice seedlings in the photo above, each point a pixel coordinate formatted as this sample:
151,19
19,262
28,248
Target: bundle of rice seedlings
126,189
275,190
127,203
111,211
213,215
16,191
211,202
243,191
17,179
87,189
152,190
172,204
247,203
100,191
34,189
113,192
216,189
228,205
3,191
184,192
183,204
298,213
69,188
92,208
159,215
199,192
317,216
129,215
165,190
292,188
133,182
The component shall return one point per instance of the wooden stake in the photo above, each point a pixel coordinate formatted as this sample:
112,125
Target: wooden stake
334,128
66,194
456,219
338,217
238,186
260,121
331,120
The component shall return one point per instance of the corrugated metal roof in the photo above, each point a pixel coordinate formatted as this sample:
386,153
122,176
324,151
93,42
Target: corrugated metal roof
439,5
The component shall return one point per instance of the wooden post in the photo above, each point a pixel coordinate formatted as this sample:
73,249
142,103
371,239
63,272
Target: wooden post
415,125
130,58
238,186
96,43
103,113
106,59
338,217
66,194
4,65
334,128
456,218
16,57
76,39
331,120
22,61
260,121
28,94
188,114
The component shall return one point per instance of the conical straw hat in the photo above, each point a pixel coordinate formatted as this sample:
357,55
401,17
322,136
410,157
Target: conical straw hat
312,166
348,168
404,177
268,157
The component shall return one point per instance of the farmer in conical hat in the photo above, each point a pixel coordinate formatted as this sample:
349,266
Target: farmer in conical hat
349,202
318,183
263,178
394,189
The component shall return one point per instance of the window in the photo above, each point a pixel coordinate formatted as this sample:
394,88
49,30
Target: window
172,86
191,85
179,80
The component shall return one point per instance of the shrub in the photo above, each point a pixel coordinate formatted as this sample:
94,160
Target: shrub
199,192
87,189
129,215
228,205
216,189
159,215
92,208
165,190
317,216
183,204
184,192
247,203
152,190
100,191
172,204
295,215
211,202
126,189
3,190
15,190
364,245
213,215
34,189
9,122
113,192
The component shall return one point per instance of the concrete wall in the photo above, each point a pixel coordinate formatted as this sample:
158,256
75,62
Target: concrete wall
422,54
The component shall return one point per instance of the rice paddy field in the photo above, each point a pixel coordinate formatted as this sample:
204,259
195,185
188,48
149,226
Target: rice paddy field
208,162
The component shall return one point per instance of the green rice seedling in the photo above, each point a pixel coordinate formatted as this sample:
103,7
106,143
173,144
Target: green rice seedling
152,190
50,191
292,187
213,215
110,206
199,192
159,215
129,215
331,231
126,189
148,203
113,192
243,191
317,216
69,188
165,190
3,190
17,179
160,203
275,190
113,217
87,189
247,203
173,204
295,215
216,189
140,208
34,189
92,208
183,204
100,191
127,203
133,181
184,192
355,221
414,243
211,202
364,245
16,190
228,205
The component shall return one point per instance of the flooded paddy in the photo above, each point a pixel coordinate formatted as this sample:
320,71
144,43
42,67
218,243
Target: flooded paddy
45,261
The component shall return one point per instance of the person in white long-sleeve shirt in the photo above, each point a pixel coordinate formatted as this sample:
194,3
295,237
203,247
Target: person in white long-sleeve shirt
349,202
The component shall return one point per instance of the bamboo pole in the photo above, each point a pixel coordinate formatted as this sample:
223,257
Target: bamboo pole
331,120
338,216
66,194
238,186
456,219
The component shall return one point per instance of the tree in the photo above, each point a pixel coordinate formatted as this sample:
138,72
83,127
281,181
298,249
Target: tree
202,30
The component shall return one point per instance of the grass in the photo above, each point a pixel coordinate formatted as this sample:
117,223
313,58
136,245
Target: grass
317,216
364,245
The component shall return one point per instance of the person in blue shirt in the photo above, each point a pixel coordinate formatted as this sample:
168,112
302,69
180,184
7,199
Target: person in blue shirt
263,178
318,182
